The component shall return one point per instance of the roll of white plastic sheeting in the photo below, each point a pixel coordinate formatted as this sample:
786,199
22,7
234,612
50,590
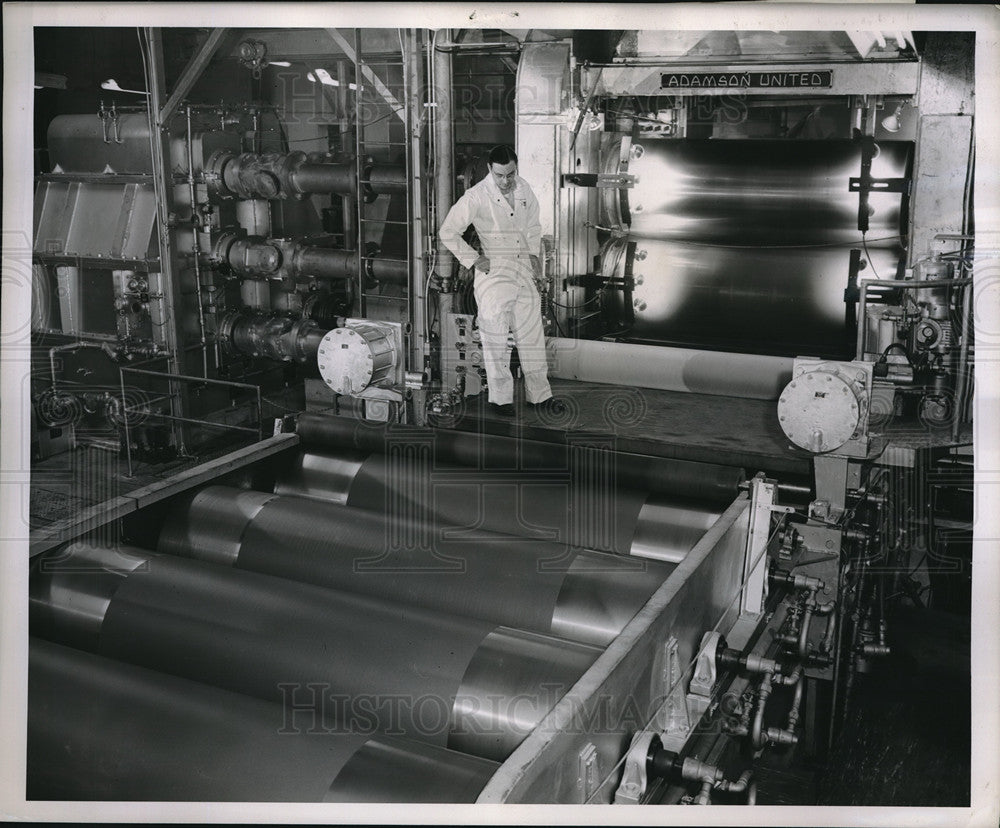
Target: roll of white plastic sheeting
669,369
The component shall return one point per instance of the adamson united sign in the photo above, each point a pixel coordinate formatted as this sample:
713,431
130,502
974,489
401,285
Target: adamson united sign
747,80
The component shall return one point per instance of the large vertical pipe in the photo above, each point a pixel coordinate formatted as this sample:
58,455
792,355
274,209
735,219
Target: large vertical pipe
444,156
958,413
347,207
416,187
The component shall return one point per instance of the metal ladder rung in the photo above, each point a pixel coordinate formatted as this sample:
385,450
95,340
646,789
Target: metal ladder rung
385,221
383,296
384,143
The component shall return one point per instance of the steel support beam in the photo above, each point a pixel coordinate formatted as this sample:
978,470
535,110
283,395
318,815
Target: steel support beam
861,78
191,74
383,90
170,265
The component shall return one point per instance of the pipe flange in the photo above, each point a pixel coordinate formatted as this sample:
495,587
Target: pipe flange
219,256
227,327
214,174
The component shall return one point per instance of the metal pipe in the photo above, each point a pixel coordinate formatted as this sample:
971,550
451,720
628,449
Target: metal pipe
444,157
384,179
186,378
958,414
256,257
804,624
419,341
271,334
294,175
195,249
346,206
209,423
452,46
128,438
758,740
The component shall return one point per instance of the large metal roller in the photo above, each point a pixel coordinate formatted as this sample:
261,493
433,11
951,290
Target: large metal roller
355,662
751,376
199,743
550,506
699,481
531,584
746,245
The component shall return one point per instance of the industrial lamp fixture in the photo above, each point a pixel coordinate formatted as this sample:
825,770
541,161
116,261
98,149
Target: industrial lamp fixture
253,55
112,85
891,123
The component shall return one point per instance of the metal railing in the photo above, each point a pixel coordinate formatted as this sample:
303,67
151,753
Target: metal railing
127,410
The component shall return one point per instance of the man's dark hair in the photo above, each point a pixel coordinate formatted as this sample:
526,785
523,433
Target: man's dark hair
502,155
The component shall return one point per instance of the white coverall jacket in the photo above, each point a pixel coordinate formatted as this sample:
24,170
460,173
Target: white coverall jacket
507,297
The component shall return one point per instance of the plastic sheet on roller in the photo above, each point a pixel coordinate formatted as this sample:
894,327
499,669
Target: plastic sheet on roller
531,584
698,481
342,660
100,729
669,369
745,245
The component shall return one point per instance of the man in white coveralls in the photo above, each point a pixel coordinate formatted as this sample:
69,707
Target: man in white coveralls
504,211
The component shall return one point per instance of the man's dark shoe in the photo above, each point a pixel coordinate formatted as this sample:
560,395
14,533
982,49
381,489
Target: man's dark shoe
552,407
506,410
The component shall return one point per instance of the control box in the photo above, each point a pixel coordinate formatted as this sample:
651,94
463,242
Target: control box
462,364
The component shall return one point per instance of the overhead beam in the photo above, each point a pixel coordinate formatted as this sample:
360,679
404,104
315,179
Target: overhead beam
191,73
368,74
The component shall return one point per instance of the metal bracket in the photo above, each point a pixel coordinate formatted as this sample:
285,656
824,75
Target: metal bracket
634,779
619,181
672,720
763,493
702,684
587,779
879,185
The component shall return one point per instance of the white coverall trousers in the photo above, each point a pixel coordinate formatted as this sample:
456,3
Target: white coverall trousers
508,301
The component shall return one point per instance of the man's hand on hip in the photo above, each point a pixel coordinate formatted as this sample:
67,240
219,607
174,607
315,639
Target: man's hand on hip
536,267
482,264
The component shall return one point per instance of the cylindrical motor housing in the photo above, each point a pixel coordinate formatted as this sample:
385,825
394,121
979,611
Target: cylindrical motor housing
351,359
935,301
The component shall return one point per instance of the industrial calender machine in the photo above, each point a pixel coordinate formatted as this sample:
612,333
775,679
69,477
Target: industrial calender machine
332,593
348,587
